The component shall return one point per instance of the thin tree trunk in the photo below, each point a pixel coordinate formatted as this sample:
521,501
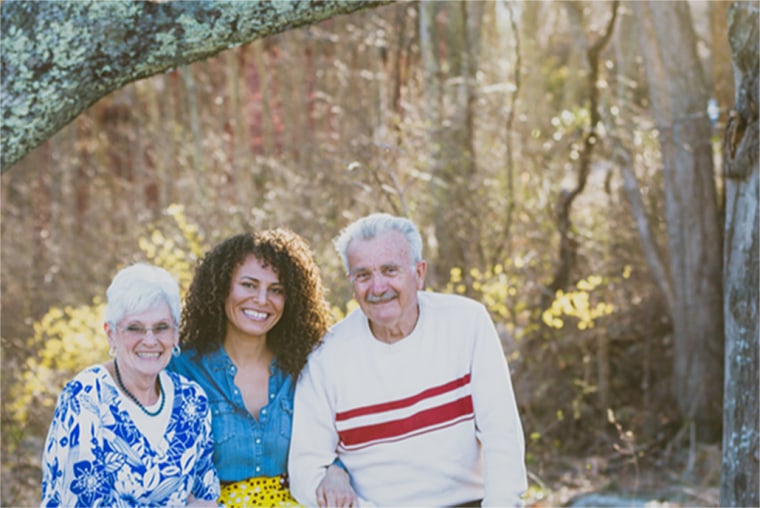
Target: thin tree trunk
648,243
740,475
678,92
567,244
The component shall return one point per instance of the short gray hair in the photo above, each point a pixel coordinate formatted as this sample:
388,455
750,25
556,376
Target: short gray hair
376,224
139,287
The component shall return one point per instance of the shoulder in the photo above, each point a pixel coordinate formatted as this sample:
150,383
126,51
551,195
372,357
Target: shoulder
93,377
186,386
449,304
342,333
186,362
89,389
341,339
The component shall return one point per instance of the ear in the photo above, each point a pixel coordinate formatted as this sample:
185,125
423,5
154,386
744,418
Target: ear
420,270
110,333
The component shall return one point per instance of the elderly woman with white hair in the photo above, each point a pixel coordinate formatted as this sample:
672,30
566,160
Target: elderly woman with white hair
127,432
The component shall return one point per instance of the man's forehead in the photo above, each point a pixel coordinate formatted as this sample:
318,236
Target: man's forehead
379,251
388,244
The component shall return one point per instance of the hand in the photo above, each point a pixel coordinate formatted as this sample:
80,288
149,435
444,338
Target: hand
335,489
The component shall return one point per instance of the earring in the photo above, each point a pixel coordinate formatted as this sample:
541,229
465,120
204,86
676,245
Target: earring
112,352
176,350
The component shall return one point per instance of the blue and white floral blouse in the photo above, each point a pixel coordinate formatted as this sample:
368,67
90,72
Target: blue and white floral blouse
96,456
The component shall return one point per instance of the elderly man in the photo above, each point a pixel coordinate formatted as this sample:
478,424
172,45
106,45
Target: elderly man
411,391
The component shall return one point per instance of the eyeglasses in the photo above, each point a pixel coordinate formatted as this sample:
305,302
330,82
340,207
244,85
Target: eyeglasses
160,331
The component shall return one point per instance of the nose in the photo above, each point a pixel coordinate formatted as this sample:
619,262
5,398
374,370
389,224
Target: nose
261,295
150,335
378,282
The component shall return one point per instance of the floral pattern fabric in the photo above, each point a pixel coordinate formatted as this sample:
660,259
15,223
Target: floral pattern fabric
96,456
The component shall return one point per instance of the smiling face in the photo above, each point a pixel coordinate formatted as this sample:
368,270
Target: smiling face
386,280
256,299
143,341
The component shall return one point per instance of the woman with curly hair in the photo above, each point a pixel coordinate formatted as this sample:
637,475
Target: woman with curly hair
254,311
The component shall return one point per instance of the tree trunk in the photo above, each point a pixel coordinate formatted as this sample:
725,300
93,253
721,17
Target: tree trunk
450,41
92,48
739,475
720,58
568,244
679,98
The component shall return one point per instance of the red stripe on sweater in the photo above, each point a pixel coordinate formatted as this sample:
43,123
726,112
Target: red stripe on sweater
400,403
427,430
411,424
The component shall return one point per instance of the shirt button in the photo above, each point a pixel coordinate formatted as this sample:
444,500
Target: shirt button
258,440
263,411
271,395
258,469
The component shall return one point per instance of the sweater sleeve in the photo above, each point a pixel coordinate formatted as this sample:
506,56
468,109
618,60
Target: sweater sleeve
497,421
315,439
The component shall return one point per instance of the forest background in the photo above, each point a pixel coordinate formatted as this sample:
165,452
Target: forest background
531,141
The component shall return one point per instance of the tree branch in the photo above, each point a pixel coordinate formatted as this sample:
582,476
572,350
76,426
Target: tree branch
60,57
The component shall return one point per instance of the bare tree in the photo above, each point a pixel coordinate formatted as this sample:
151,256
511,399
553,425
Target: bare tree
679,98
450,42
739,475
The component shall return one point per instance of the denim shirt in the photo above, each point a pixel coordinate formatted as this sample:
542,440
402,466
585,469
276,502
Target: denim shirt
243,446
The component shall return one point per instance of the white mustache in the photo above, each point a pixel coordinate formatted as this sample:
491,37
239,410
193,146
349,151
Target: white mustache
388,295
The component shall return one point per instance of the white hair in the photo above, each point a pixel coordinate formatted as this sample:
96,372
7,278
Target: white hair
376,224
139,287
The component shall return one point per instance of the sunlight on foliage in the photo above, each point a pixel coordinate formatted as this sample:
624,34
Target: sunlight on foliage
72,338
577,304
496,290
338,313
177,250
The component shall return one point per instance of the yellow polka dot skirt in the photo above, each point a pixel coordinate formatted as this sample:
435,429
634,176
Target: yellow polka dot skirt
260,491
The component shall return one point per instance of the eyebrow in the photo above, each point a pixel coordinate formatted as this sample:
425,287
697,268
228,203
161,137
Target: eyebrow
381,267
256,279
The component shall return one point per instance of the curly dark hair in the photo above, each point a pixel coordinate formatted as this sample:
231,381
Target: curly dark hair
305,318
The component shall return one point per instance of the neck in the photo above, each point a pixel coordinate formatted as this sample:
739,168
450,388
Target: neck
143,389
248,350
397,331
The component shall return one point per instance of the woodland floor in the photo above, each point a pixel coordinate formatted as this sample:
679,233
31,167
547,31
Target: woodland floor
577,482
590,482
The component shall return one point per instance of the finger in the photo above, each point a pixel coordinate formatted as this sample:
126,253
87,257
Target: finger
321,500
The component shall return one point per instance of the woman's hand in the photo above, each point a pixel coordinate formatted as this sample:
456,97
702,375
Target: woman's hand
335,489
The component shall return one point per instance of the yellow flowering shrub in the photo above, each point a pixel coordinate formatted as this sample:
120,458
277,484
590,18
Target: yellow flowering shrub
72,338
577,304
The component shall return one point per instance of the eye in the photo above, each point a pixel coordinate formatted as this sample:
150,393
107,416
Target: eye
390,270
135,329
161,327
362,276
248,284
278,290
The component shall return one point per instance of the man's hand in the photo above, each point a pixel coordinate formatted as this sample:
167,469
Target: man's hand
335,489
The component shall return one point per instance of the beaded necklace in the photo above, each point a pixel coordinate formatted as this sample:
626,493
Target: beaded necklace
134,399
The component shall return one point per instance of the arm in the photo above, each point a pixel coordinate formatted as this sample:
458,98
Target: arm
71,472
497,420
206,485
54,459
314,439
